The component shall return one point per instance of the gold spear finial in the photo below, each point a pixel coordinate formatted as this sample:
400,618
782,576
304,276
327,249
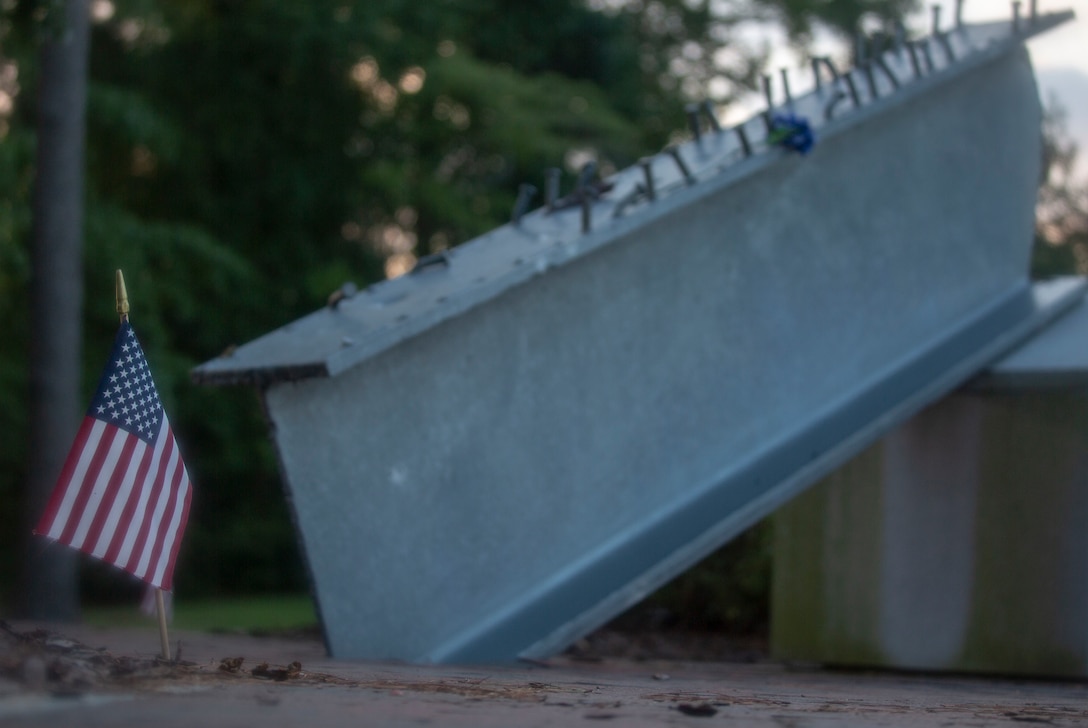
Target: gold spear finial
122,294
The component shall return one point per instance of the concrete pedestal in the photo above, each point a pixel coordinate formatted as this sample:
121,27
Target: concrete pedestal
958,542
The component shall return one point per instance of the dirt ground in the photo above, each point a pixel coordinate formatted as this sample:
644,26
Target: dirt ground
81,676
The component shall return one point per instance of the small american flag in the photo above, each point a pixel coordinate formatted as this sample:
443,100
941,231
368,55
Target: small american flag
123,495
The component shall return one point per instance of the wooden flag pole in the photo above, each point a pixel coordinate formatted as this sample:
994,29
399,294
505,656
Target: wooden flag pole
160,603
164,635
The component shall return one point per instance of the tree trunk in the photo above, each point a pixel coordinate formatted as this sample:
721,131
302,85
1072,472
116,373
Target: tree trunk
49,579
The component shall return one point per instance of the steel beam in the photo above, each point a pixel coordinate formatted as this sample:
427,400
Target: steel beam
493,455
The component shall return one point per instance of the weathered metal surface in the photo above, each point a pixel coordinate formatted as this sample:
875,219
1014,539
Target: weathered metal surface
503,451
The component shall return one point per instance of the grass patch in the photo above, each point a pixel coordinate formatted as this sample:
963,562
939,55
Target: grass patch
264,613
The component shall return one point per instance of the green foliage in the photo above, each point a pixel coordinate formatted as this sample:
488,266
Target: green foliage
16,158
261,614
1061,228
728,592
844,16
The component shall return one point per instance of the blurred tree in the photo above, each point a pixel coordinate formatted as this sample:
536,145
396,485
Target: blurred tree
16,180
47,584
727,592
846,17
1061,227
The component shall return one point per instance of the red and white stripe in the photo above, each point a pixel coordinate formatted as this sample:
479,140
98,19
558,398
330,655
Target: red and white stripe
122,500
